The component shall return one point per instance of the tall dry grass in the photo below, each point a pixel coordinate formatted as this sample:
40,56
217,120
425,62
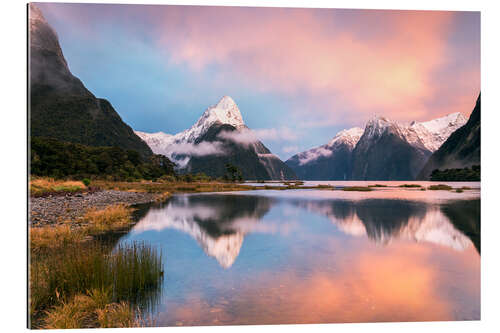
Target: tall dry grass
112,217
48,237
40,186
131,273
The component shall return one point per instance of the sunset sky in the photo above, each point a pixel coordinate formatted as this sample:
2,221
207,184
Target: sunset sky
307,73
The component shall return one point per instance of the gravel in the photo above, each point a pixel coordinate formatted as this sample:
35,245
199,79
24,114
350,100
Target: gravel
57,209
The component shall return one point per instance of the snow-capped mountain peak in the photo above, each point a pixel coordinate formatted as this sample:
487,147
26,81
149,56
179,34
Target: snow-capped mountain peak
433,133
428,135
348,136
377,125
225,111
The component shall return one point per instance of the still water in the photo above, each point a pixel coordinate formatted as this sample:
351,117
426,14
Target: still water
313,256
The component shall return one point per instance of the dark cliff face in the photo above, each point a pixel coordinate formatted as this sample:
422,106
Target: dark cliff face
462,149
254,160
387,157
336,166
60,105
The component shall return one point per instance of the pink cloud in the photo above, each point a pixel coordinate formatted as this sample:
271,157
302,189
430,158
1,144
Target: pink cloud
292,51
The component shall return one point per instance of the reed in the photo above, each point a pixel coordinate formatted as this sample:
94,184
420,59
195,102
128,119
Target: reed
131,273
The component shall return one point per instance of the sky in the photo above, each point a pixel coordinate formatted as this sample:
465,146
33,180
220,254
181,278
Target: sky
302,74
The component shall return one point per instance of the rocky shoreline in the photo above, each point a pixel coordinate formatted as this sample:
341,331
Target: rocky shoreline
55,209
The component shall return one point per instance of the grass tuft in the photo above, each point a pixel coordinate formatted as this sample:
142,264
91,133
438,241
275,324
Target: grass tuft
410,185
48,237
84,311
357,188
440,187
112,217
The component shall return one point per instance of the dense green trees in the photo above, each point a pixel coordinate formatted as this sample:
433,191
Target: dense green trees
55,158
465,174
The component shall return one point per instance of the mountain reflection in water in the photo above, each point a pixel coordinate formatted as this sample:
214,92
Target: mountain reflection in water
276,257
219,222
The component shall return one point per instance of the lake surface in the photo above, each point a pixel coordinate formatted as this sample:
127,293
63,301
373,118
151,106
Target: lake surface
315,256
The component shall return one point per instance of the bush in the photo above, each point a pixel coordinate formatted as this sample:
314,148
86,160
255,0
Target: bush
58,159
466,174
86,181
440,187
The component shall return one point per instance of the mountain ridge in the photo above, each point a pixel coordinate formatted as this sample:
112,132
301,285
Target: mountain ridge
412,142
60,106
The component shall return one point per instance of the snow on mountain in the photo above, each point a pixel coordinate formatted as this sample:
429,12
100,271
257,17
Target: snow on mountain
438,130
156,141
349,137
224,112
429,135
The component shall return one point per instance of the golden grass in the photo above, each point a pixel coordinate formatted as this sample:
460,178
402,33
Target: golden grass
112,217
54,236
93,310
39,186
117,315
172,187
164,196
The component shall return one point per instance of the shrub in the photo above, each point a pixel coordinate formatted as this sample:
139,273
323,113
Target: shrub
86,181
440,187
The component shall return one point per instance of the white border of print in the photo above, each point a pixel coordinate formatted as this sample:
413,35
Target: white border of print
13,164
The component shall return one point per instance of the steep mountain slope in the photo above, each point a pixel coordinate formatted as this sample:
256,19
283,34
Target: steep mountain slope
219,137
462,149
328,162
384,153
60,105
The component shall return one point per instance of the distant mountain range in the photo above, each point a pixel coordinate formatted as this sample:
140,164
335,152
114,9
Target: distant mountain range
462,148
219,137
384,150
60,106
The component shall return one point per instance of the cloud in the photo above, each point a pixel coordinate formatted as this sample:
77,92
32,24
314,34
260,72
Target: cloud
200,149
379,61
247,136
313,154
331,65
181,153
